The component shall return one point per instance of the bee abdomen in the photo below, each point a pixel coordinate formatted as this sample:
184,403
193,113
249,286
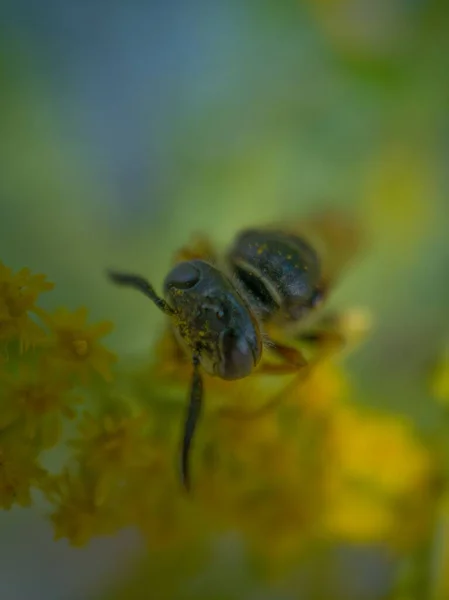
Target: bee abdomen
280,272
260,294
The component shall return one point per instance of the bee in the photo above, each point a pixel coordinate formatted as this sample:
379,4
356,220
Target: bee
219,313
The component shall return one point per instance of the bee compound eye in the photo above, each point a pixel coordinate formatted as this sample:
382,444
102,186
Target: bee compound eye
237,359
183,277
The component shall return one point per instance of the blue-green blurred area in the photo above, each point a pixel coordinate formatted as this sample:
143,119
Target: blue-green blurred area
125,127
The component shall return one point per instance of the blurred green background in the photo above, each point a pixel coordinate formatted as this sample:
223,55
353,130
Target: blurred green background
127,126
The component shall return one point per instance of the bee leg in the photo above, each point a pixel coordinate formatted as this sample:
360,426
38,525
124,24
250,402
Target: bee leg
142,285
276,369
337,331
193,413
292,356
248,415
295,363
326,342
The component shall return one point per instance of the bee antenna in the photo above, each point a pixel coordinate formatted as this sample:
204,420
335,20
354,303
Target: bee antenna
193,413
142,285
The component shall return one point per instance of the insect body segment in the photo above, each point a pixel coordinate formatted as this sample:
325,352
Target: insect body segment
218,314
213,324
281,272
213,321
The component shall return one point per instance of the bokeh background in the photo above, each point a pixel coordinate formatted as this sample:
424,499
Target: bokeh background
127,126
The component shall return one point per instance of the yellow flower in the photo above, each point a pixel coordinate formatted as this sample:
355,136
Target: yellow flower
262,479
18,294
284,461
380,478
322,392
19,472
37,398
152,500
77,516
125,477
75,344
111,445
249,397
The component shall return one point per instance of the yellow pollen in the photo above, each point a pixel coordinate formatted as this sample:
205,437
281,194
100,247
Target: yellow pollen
81,347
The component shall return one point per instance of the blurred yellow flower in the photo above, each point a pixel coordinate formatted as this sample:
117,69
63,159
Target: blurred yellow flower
18,294
111,445
112,441
77,516
152,501
39,399
19,471
124,476
323,391
379,474
75,344
286,462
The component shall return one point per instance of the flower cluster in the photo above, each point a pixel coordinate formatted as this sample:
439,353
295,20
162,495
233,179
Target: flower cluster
286,461
45,357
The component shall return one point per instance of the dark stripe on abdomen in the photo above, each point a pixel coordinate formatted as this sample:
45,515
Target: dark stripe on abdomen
258,292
